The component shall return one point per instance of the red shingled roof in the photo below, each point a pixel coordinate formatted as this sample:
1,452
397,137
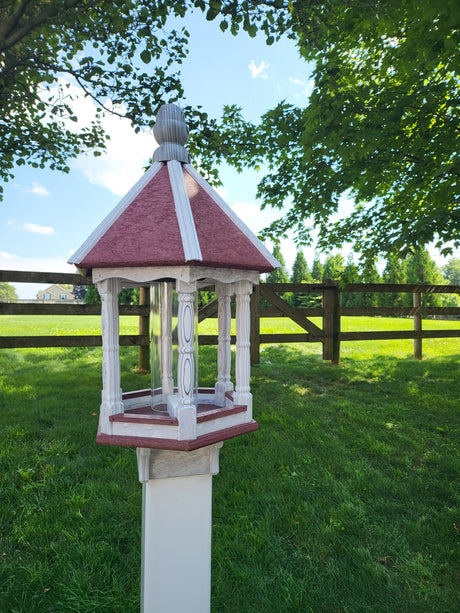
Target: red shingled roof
145,230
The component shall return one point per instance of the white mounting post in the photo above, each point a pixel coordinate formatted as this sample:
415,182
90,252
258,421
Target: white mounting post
176,529
224,351
243,290
111,386
186,410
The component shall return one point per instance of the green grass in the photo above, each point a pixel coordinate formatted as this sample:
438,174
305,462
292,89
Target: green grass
345,500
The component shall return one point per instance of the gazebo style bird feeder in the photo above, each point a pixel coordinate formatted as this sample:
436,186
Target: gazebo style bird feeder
173,231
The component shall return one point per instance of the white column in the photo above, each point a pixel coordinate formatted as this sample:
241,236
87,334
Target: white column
176,530
224,352
186,410
167,381
242,394
111,386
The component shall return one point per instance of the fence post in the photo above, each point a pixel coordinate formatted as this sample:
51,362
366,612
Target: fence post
331,322
417,303
144,329
255,325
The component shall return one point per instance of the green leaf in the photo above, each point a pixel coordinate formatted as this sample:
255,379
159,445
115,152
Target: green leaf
145,56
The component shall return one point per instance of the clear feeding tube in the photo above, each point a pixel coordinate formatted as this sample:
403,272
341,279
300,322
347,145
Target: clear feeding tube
161,342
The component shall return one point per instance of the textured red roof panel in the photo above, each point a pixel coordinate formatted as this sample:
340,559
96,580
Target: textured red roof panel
222,243
146,233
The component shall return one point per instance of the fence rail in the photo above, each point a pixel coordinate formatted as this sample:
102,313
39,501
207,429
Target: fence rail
330,312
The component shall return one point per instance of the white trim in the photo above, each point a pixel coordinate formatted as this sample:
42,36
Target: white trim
232,215
146,274
102,228
184,215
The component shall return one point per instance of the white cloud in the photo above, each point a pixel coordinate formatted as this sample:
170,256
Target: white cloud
296,81
37,229
35,188
308,86
121,165
259,72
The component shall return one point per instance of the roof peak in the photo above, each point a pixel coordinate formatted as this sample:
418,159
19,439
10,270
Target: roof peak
171,133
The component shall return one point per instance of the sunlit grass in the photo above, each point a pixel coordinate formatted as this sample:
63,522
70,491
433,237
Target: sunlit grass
345,499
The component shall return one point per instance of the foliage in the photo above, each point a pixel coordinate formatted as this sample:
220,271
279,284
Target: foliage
420,268
92,295
333,267
280,275
300,271
381,127
79,291
129,295
317,269
120,53
7,292
301,274
451,271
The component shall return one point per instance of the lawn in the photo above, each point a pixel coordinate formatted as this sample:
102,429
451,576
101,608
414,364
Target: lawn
345,500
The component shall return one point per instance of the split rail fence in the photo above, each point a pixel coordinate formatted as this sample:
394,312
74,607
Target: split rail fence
330,313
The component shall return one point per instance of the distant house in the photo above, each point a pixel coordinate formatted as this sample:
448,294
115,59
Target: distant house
55,293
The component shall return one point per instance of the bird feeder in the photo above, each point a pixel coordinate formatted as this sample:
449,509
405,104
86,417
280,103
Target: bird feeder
173,232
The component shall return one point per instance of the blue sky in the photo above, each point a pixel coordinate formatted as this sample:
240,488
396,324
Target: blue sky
46,215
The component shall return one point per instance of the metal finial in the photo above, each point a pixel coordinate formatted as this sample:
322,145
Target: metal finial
171,133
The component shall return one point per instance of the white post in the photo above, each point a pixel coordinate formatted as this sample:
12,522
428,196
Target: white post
167,382
243,290
186,410
111,386
224,352
176,529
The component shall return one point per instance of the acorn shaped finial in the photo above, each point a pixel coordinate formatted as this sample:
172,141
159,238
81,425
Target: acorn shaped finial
171,133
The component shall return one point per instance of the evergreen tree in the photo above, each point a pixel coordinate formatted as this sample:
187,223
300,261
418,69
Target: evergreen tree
395,272
369,274
422,269
79,291
301,274
351,274
333,267
300,271
92,295
279,275
317,270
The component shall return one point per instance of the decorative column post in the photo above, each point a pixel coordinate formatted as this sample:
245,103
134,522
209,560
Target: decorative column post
111,385
186,409
224,351
167,382
242,394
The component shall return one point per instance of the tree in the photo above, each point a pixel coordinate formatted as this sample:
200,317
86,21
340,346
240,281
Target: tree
395,271
381,126
79,291
92,295
279,275
317,269
422,269
97,46
300,271
451,271
7,292
301,274
333,267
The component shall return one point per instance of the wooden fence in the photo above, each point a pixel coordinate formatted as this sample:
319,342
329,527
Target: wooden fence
330,312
